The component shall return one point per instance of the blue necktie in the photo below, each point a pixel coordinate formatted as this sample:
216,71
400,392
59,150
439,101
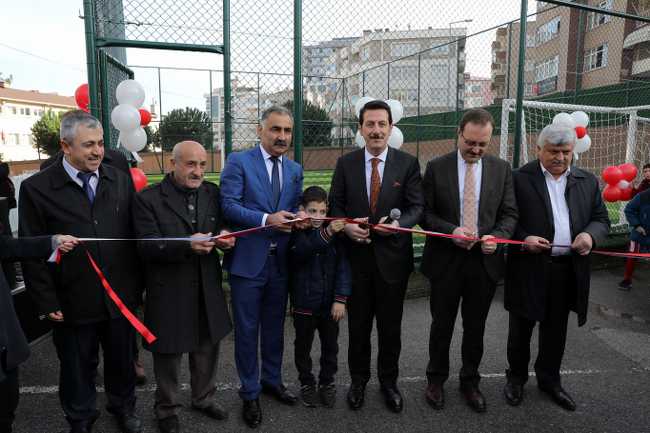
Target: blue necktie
85,178
275,181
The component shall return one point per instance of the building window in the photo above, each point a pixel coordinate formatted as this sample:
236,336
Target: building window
595,19
365,54
596,58
13,110
436,48
530,41
27,112
402,49
403,72
547,69
547,31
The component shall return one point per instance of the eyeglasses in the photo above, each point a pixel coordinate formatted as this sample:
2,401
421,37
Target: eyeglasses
481,144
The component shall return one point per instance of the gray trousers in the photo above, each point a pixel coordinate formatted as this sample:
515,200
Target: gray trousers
203,371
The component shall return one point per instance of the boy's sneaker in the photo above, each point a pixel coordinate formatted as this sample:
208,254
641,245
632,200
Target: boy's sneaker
327,394
625,285
308,395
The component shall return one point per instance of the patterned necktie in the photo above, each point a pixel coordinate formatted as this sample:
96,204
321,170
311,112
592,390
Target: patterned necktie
85,178
469,199
375,184
275,181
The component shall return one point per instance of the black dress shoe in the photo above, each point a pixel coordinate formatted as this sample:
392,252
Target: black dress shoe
559,396
85,426
393,398
435,395
252,413
169,424
213,410
514,393
356,395
474,398
129,423
281,393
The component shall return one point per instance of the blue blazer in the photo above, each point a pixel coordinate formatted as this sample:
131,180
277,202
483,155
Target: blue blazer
245,198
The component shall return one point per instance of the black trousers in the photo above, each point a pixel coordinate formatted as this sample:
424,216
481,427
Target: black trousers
77,347
466,281
373,297
8,396
328,333
561,295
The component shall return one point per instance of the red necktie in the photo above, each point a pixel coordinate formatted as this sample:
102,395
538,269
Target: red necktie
375,185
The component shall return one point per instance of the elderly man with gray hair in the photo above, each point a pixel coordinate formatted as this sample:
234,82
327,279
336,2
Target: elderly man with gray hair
81,196
561,218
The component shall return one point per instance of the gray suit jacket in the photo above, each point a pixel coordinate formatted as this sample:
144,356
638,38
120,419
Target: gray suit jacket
497,211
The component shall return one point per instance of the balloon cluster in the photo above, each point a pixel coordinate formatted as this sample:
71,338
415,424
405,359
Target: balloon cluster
82,97
578,120
396,138
128,117
618,179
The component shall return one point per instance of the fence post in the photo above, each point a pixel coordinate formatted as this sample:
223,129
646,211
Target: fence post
211,120
227,94
417,121
509,57
91,57
519,113
297,81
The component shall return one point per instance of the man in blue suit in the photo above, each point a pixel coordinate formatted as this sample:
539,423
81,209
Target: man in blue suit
261,187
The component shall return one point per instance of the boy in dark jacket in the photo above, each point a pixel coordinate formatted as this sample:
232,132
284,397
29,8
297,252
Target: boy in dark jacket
320,285
637,213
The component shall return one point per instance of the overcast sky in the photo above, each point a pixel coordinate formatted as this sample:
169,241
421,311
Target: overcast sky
42,42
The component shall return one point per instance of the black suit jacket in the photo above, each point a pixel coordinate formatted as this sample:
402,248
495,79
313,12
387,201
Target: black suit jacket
51,202
497,214
12,338
400,188
178,281
527,277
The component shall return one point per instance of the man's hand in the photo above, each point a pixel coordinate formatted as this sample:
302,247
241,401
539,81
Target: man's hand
536,244
462,243
338,311
225,243
335,227
282,217
582,244
203,246
65,243
640,230
384,229
305,223
57,316
487,246
356,233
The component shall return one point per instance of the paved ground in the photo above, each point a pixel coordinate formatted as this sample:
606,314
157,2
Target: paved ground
606,369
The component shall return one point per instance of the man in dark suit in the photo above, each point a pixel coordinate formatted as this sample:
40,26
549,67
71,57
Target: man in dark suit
561,217
14,349
261,187
367,184
81,196
467,193
185,304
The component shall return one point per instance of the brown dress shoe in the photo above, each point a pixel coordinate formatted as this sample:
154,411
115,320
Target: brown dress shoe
474,398
435,396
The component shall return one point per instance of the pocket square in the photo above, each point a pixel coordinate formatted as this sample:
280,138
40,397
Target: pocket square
396,184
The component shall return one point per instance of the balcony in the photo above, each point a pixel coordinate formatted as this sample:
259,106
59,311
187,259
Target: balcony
640,35
641,68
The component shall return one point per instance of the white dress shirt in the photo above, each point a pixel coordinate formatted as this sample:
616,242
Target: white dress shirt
269,169
561,221
72,172
380,167
462,167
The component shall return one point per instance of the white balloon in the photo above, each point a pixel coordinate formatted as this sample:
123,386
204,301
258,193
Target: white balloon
564,119
396,109
360,103
359,140
135,140
125,117
623,184
580,118
396,138
130,92
582,144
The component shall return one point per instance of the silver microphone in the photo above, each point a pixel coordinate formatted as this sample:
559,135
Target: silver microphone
395,215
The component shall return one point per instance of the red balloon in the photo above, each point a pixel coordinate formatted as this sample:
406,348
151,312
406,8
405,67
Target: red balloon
82,97
629,171
612,193
145,117
581,131
612,175
139,178
626,194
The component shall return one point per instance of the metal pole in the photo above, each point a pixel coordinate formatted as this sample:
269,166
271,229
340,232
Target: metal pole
162,148
519,113
227,103
105,120
342,115
509,61
91,57
456,80
388,82
448,69
363,83
211,120
579,55
297,81
417,122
